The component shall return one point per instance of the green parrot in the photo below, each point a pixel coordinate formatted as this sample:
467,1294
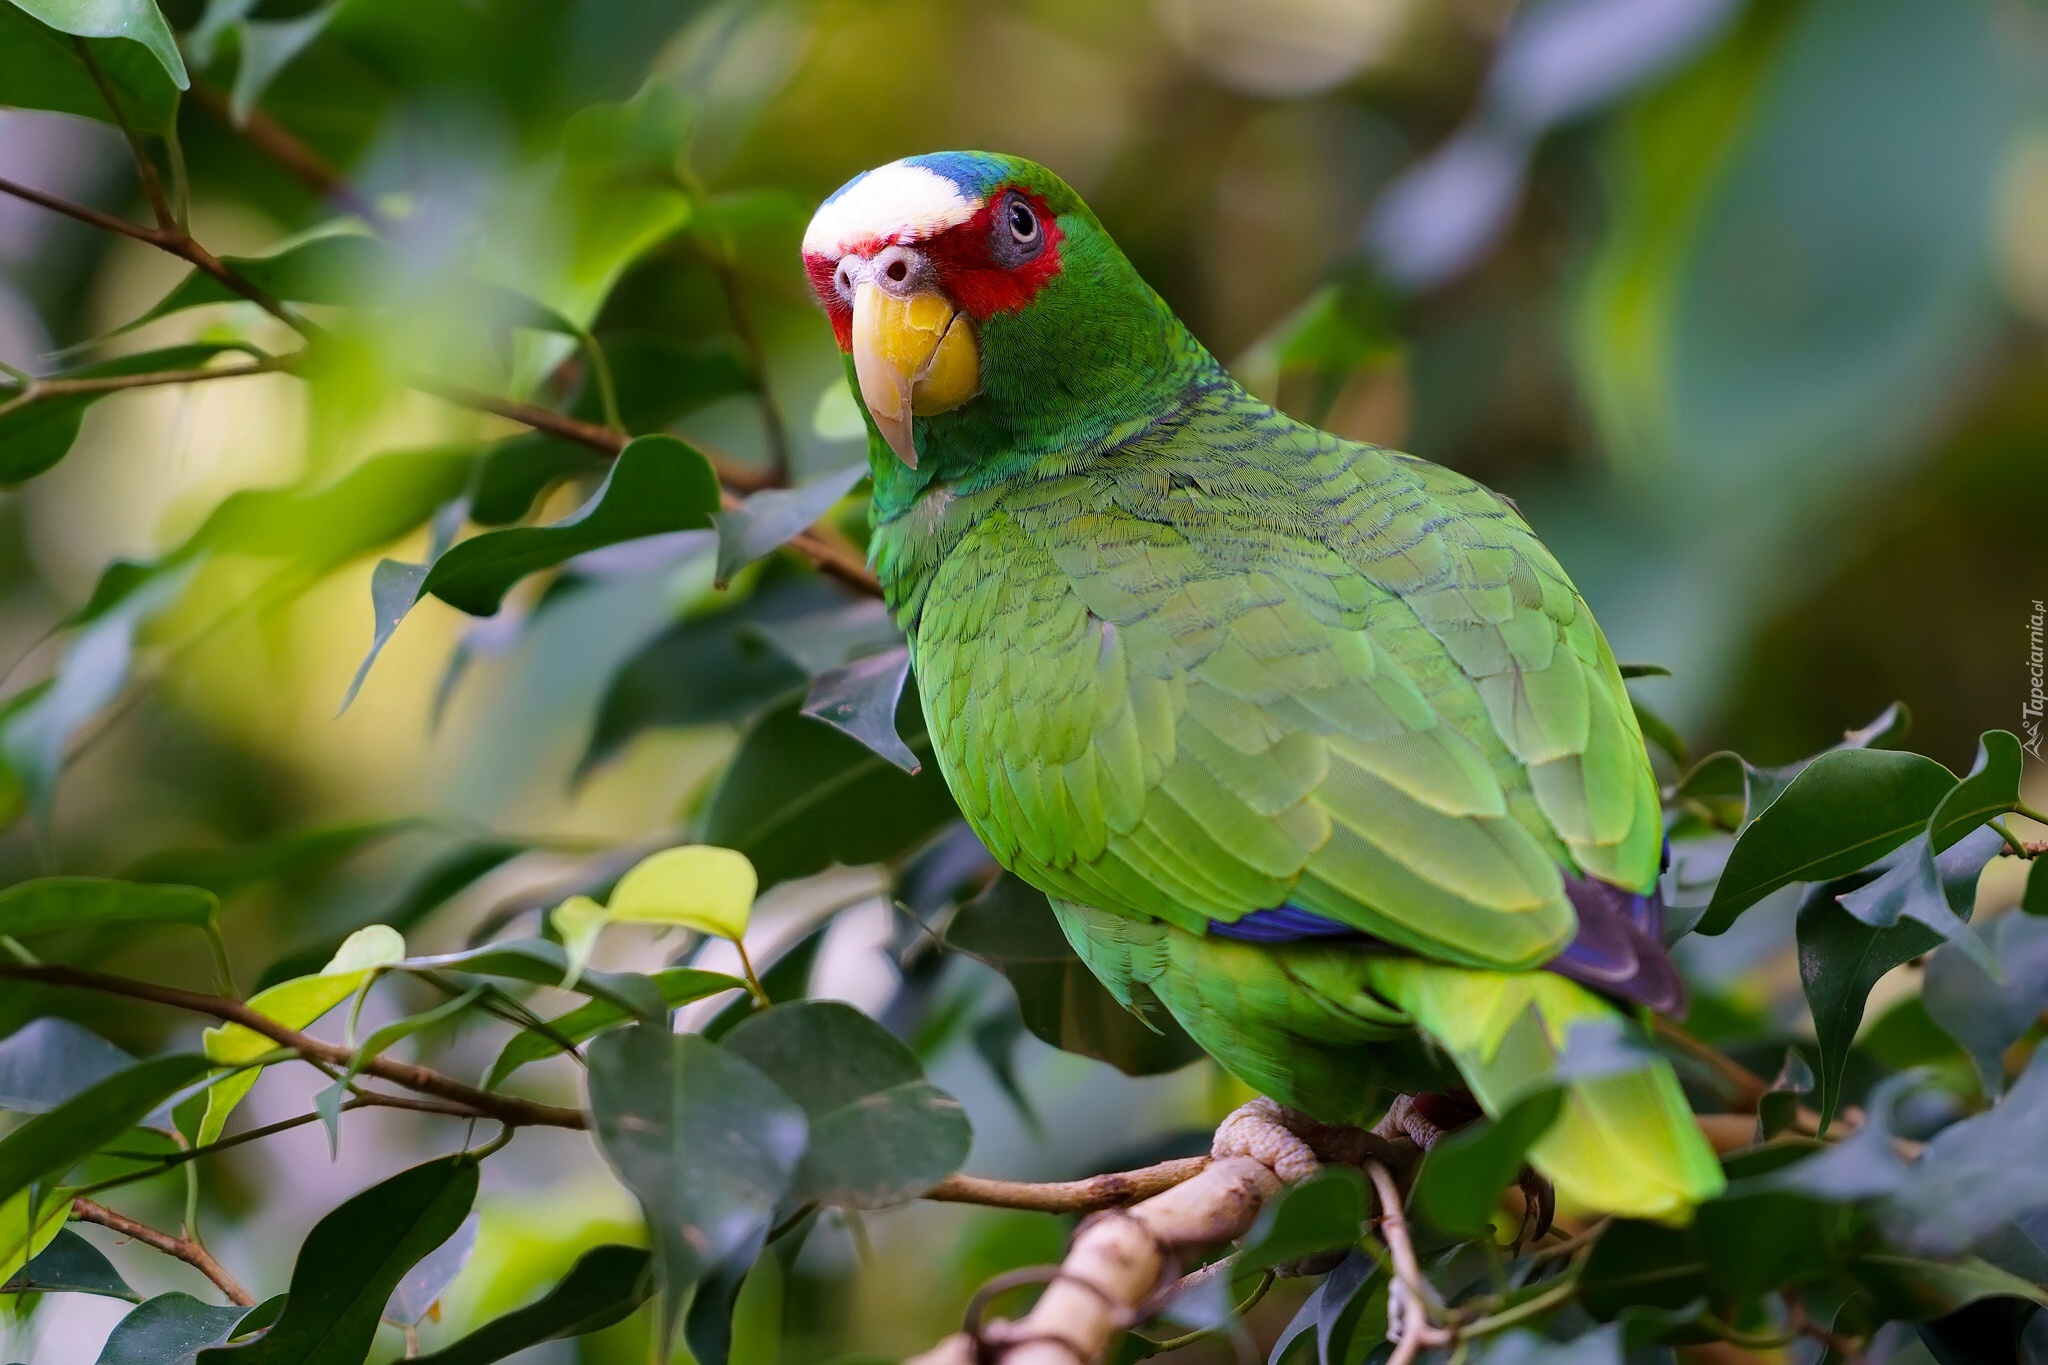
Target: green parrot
1309,741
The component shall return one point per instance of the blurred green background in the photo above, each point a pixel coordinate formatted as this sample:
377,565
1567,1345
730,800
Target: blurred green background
1745,303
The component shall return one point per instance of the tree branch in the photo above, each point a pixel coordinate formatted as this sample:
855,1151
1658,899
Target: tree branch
1110,1191
184,1248
506,1109
40,390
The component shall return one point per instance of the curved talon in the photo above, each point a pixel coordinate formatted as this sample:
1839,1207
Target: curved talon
1540,1205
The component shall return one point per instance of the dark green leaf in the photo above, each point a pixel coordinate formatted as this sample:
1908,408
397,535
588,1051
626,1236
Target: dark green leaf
51,1059
1322,1213
707,1143
2035,899
39,69
606,1283
1643,1265
880,1133
1991,789
1464,1175
170,1329
707,669
518,469
861,699
51,1143
768,520
827,640
1644,671
1988,1016
660,379
1840,959
70,1265
50,903
1916,1289
1012,927
1847,808
799,797
659,484
324,527
38,434
353,1259
678,986
1779,1107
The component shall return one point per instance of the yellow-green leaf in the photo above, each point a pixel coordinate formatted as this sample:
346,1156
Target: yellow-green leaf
19,1243
295,1004
578,920
696,887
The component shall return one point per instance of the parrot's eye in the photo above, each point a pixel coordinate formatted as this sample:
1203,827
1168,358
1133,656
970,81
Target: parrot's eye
1019,236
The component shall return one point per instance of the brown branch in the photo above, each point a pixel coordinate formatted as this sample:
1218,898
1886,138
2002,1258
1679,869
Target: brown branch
184,1248
506,1109
91,217
282,146
1747,1088
41,389
1069,1196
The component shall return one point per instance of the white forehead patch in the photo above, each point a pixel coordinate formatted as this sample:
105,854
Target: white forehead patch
897,200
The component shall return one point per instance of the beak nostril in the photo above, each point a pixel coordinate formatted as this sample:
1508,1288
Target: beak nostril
898,271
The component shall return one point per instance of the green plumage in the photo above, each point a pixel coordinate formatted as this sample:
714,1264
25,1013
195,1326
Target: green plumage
1187,659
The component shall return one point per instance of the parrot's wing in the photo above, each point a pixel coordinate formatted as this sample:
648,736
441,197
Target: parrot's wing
1359,687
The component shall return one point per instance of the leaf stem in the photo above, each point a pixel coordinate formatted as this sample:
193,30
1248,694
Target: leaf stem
754,986
152,186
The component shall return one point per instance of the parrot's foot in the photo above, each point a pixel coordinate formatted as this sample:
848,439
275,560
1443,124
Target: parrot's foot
1295,1145
1424,1119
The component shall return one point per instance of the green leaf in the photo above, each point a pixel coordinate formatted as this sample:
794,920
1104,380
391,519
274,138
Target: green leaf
605,1285
770,519
25,1234
660,379
861,700
394,588
323,527
880,1133
707,1143
514,472
138,21
51,903
707,669
49,1060
51,1143
1939,892
38,433
678,986
1464,1175
1322,1213
351,1263
1840,959
1984,1014
658,485
1847,808
1011,926
70,1265
40,69
798,797
352,1260
170,1329
301,854
1917,1290
430,1277
1660,732
2034,900
1991,789
1644,671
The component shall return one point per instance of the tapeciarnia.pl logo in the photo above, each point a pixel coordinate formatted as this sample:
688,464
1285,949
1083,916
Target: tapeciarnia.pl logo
2030,710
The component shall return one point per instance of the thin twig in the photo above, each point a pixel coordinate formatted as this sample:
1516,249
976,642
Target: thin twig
184,1248
485,1104
1069,1196
41,390
152,187
1411,1330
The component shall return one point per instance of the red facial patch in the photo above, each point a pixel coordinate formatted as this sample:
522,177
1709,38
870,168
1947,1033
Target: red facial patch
968,270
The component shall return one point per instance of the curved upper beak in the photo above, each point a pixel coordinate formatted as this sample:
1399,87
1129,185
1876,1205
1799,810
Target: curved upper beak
914,354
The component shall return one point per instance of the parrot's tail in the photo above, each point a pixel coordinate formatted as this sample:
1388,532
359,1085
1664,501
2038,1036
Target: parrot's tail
1624,1142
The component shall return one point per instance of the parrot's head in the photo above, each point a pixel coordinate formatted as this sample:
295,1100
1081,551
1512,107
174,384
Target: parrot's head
986,311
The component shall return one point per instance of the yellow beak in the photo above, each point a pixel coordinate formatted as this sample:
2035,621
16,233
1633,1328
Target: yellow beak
914,356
